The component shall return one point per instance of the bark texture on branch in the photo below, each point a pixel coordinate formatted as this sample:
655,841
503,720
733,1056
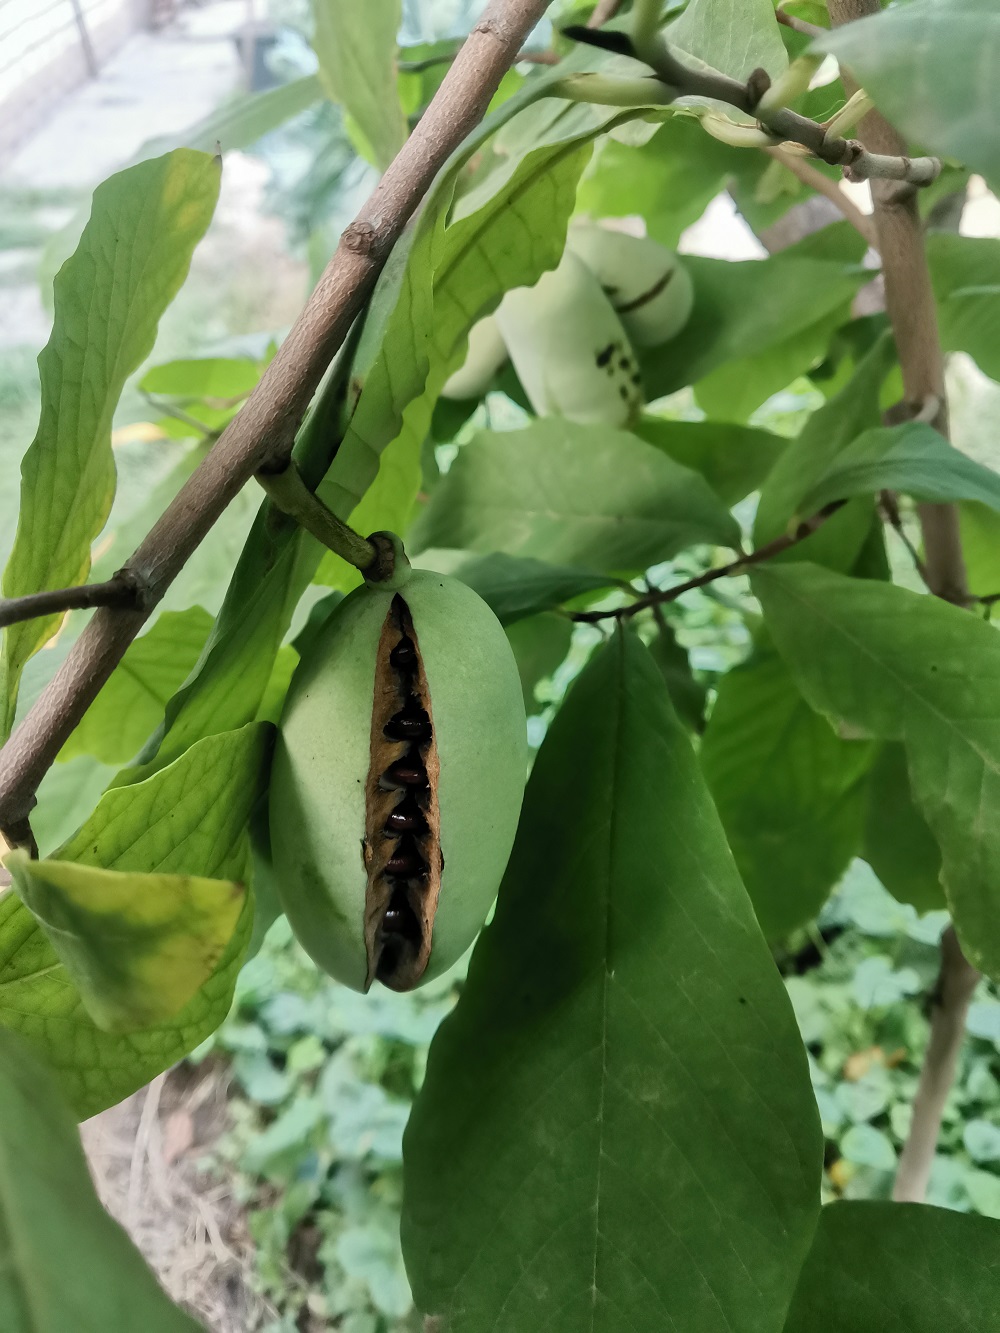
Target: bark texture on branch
264,431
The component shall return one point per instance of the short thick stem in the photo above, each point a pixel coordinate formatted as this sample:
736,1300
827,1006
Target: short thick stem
290,493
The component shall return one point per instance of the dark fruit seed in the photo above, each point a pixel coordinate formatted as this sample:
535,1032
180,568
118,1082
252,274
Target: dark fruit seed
404,655
405,864
404,819
405,773
399,918
408,726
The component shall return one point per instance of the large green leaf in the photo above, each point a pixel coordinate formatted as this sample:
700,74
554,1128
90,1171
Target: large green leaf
734,36
907,667
616,1128
572,494
356,46
899,1268
789,791
188,819
932,66
733,459
743,308
828,431
132,258
136,947
66,1264
540,644
131,703
244,119
913,458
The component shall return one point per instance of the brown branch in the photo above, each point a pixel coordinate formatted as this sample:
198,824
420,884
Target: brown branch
262,434
957,980
122,591
909,301
814,178
799,25
758,557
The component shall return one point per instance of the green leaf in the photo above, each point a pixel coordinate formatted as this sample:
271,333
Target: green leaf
825,435
572,494
687,694
244,119
137,947
132,258
356,46
913,458
513,587
203,377
734,460
931,67
742,308
734,36
131,703
965,271
540,644
899,1268
66,1265
907,667
789,791
188,819
616,1128
898,845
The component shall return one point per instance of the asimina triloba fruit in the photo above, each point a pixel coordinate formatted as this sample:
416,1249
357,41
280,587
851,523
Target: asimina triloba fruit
397,781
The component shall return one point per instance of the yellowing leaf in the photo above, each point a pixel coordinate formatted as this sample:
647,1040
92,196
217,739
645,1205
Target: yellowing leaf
137,947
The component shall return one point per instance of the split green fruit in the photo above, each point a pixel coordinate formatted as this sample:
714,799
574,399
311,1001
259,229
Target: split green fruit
397,781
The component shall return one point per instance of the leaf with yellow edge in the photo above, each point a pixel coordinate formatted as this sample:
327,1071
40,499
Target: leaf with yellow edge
137,947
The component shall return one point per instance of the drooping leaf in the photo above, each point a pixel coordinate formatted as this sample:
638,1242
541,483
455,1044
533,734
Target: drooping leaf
136,947
513,586
132,258
687,694
540,644
899,1268
188,819
733,459
743,308
898,845
131,703
901,666
828,431
733,36
356,46
572,494
965,271
558,1173
913,458
789,791
931,66
66,1264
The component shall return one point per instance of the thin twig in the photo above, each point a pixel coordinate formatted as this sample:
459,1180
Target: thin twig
889,506
814,178
263,433
602,12
122,591
798,25
956,983
758,557
290,493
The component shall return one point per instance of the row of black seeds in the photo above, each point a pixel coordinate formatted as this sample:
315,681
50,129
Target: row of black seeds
406,822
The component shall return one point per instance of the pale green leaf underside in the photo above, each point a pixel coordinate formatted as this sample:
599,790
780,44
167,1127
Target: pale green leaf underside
571,494
559,1170
64,1264
902,666
131,260
356,46
899,1268
734,36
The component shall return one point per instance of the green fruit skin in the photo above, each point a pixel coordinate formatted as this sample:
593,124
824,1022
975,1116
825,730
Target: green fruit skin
317,809
628,267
